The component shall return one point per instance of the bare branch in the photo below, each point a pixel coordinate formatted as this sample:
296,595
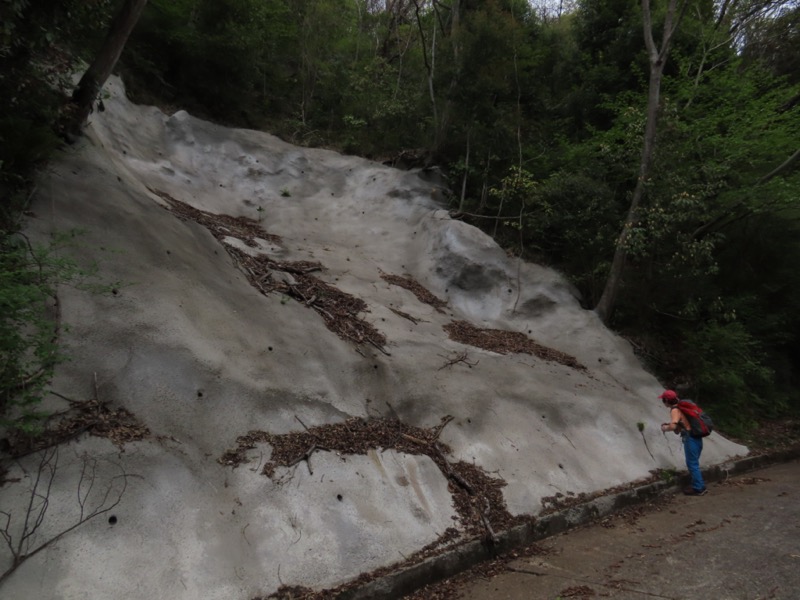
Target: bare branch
780,168
39,503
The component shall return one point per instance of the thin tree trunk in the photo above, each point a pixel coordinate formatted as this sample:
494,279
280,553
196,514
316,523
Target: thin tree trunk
98,72
464,180
606,304
429,66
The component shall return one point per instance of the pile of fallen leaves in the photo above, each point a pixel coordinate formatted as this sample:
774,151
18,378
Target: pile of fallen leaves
409,283
340,311
443,590
452,587
352,436
90,416
477,497
578,591
771,436
220,226
559,501
505,342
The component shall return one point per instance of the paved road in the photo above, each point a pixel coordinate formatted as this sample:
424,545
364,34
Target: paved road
741,541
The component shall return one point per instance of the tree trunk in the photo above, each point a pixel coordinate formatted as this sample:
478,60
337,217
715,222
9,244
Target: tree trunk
429,66
658,57
95,76
466,172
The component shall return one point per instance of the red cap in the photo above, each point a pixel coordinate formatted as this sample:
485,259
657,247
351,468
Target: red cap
669,396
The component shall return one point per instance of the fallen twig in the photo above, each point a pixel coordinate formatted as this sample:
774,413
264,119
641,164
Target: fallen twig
411,438
462,357
400,313
484,517
450,473
306,456
442,425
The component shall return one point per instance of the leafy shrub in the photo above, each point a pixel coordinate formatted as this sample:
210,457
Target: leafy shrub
730,374
29,321
25,142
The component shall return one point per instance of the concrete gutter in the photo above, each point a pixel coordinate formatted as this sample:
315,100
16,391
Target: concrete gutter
407,580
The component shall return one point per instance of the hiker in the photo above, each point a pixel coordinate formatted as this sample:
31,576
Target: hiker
692,446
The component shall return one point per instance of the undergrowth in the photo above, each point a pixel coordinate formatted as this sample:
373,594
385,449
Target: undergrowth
30,276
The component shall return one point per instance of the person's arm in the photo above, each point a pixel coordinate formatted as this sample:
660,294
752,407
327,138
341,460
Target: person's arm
676,421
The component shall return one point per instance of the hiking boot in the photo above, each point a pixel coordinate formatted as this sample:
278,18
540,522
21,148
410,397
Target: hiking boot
694,492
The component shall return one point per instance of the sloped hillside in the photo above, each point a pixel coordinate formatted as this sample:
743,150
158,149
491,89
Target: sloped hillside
307,371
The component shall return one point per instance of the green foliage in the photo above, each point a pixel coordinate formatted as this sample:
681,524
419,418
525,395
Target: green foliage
542,121
774,42
25,143
29,351
609,35
29,27
35,67
668,476
518,188
727,366
222,58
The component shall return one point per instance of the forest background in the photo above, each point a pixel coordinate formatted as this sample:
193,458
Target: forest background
543,119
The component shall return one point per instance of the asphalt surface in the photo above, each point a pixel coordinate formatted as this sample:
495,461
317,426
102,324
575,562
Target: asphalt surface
741,541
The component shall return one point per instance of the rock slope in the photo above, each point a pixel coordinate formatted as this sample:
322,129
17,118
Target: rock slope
306,371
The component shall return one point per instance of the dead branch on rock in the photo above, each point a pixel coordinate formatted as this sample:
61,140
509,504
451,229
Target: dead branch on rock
83,416
413,439
462,357
299,420
505,342
438,429
493,539
409,283
23,543
400,313
298,268
306,456
445,467
339,311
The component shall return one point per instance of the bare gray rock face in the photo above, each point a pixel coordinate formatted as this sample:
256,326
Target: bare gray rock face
269,288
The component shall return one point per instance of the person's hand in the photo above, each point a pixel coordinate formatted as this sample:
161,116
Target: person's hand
665,427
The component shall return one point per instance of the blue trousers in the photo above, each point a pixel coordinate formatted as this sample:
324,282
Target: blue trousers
692,448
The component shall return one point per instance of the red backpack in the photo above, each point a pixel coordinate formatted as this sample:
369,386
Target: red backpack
700,424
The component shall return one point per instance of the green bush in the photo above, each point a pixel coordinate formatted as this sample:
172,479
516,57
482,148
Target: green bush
25,142
29,325
730,375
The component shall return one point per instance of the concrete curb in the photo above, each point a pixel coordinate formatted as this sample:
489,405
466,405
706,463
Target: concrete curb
464,556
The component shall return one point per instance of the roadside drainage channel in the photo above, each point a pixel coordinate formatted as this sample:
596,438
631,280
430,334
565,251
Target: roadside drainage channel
437,568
